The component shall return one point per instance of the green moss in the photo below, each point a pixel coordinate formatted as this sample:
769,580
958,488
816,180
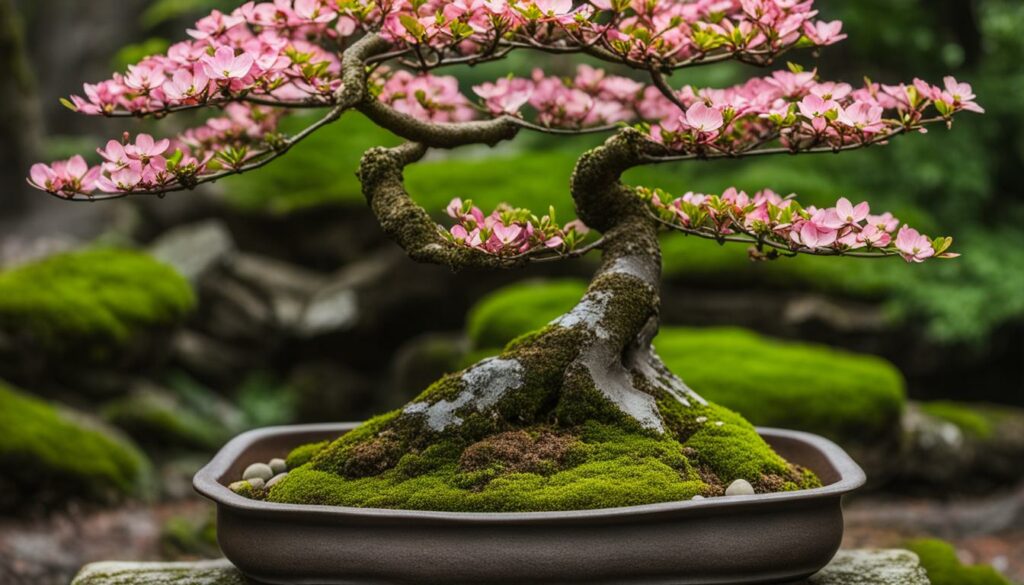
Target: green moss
972,420
842,395
612,468
944,568
52,458
303,454
91,302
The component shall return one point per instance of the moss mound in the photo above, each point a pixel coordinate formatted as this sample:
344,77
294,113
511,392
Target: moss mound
90,303
53,458
944,568
842,395
542,467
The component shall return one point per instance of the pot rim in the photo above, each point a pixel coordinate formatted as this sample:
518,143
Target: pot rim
207,483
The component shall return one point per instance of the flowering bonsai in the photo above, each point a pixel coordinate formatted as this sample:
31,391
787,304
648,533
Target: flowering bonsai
583,413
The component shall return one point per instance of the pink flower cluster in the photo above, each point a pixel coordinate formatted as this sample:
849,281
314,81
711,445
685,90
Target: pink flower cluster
427,97
511,232
149,165
638,31
780,222
277,51
592,98
797,109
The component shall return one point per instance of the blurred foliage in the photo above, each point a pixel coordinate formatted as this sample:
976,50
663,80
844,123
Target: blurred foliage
91,302
55,457
966,417
770,382
939,559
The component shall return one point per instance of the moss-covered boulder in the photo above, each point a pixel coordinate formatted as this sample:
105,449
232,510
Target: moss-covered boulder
962,447
89,304
848,397
940,561
49,457
157,418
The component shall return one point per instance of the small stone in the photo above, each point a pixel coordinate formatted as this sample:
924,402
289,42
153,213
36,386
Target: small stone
719,424
239,486
257,483
278,466
702,419
697,497
276,479
258,470
740,487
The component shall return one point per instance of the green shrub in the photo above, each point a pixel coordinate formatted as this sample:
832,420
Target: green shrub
48,457
944,568
838,394
91,302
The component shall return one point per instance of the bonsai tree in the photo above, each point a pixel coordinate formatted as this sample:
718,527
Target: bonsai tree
583,413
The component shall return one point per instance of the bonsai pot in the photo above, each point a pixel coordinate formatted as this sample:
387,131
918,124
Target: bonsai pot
770,538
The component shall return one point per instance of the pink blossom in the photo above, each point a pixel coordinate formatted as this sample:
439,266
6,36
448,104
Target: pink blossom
824,33
849,214
67,178
146,148
225,66
913,246
885,222
700,117
961,95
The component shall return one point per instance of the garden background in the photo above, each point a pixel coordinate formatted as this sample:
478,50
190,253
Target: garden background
136,337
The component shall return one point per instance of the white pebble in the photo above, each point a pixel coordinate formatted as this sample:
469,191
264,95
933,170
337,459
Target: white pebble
278,466
697,497
257,483
276,479
258,470
702,419
719,424
740,487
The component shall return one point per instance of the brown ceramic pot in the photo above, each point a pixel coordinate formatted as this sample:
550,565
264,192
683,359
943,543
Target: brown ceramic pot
772,538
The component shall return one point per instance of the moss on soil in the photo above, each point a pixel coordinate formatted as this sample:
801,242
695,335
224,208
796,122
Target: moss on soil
90,302
54,458
842,395
552,442
944,568
552,457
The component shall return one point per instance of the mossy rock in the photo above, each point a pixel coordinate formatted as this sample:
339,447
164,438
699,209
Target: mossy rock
975,421
158,419
849,397
49,458
90,304
944,568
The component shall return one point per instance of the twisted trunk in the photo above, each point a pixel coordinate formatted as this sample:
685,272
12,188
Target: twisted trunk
594,362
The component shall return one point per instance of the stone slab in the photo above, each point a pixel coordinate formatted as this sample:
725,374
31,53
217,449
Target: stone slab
850,567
